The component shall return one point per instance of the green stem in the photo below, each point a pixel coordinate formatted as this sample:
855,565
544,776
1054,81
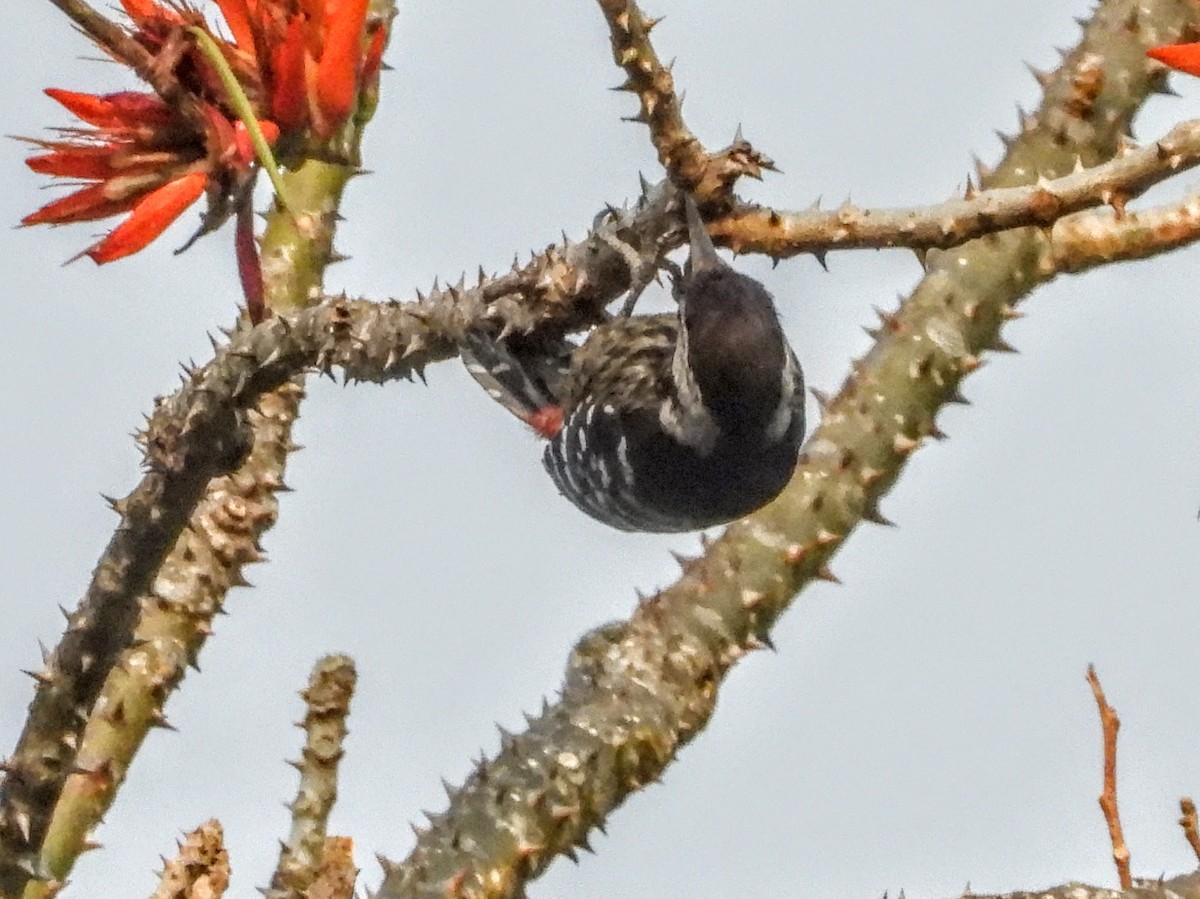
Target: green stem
245,112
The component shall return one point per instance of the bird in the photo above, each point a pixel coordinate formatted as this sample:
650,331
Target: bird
661,423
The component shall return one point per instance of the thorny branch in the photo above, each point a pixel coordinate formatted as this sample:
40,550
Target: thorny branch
327,702
689,165
564,287
1085,240
1110,725
200,870
177,613
182,456
200,433
780,234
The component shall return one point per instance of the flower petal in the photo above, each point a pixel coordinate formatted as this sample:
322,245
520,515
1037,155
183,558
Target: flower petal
124,109
241,25
289,106
85,205
373,58
67,163
337,73
150,217
139,10
1184,57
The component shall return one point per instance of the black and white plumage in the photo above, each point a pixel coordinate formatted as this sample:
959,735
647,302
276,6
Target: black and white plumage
662,422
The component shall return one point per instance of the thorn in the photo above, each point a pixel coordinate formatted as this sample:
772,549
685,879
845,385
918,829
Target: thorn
823,573
872,514
1041,76
1026,121
957,397
767,641
685,562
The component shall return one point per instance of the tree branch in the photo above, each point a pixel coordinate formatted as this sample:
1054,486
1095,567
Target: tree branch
182,457
1110,724
327,702
221,538
691,167
1085,240
200,869
781,234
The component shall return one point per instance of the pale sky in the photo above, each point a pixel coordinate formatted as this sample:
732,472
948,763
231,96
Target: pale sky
922,726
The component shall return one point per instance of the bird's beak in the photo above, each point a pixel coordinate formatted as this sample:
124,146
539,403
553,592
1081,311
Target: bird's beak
702,254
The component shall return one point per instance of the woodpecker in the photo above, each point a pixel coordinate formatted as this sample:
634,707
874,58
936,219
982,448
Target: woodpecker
662,423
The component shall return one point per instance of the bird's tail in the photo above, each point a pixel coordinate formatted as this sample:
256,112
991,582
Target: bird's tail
524,375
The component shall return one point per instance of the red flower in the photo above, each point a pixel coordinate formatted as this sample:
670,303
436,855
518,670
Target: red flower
300,63
140,156
309,56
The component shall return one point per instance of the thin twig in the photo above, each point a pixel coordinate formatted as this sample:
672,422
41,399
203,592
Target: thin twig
1110,724
303,855
679,150
689,165
1191,828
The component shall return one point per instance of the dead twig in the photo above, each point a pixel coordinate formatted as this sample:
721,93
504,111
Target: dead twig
1108,797
1191,829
